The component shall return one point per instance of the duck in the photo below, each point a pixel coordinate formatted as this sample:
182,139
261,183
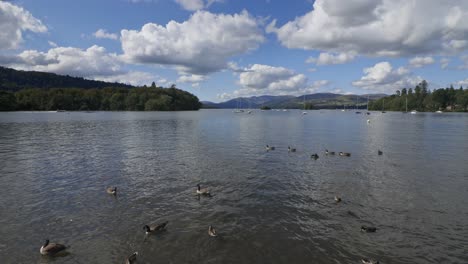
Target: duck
314,156
112,190
131,259
203,191
379,152
337,199
368,229
346,154
291,149
155,228
212,231
329,152
51,248
270,148
369,261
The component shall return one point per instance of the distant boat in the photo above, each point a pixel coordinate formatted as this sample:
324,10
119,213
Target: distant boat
239,105
439,112
249,112
60,111
414,112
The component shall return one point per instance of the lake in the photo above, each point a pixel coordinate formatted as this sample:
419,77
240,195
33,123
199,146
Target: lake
267,206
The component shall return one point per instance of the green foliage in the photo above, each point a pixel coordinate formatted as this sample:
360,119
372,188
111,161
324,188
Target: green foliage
7,101
422,99
309,106
114,99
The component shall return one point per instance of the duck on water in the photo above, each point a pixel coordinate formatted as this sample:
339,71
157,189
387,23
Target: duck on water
151,229
51,248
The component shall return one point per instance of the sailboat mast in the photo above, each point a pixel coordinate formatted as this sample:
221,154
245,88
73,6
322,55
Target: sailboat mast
304,102
406,102
368,103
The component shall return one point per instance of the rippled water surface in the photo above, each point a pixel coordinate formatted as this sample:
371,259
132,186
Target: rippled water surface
268,207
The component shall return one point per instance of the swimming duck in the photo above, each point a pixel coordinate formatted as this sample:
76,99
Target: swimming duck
314,156
203,191
337,199
155,228
131,259
346,154
369,261
329,152
368,229
212,231
291,149
112,190
51,248
270,147
379,152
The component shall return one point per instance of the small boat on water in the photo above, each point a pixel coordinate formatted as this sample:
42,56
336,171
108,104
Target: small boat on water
413,112
439,112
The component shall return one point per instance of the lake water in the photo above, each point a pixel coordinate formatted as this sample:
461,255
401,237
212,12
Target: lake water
268,207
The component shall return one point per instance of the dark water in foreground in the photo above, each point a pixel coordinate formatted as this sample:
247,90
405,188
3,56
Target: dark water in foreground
269,207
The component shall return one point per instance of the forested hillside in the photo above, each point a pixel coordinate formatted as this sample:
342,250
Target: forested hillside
21,90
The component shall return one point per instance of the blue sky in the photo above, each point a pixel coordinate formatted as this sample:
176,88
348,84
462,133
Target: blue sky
220,49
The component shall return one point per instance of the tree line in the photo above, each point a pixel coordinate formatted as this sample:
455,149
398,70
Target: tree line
423,99
105,99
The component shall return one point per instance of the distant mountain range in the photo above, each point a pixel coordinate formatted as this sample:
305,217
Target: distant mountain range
315,101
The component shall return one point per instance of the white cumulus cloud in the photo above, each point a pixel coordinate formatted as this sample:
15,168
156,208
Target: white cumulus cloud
379,27
103,34
326,58
200,45
94,63
259,79
418,62
14,20
194,5
383,78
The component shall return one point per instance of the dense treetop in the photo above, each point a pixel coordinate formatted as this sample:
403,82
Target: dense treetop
422,99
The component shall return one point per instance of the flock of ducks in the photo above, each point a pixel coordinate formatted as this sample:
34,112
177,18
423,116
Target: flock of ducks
51,249
315,156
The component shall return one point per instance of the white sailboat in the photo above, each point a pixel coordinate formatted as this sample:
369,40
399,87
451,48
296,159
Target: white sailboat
406,104
368,113
239,105
356,107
